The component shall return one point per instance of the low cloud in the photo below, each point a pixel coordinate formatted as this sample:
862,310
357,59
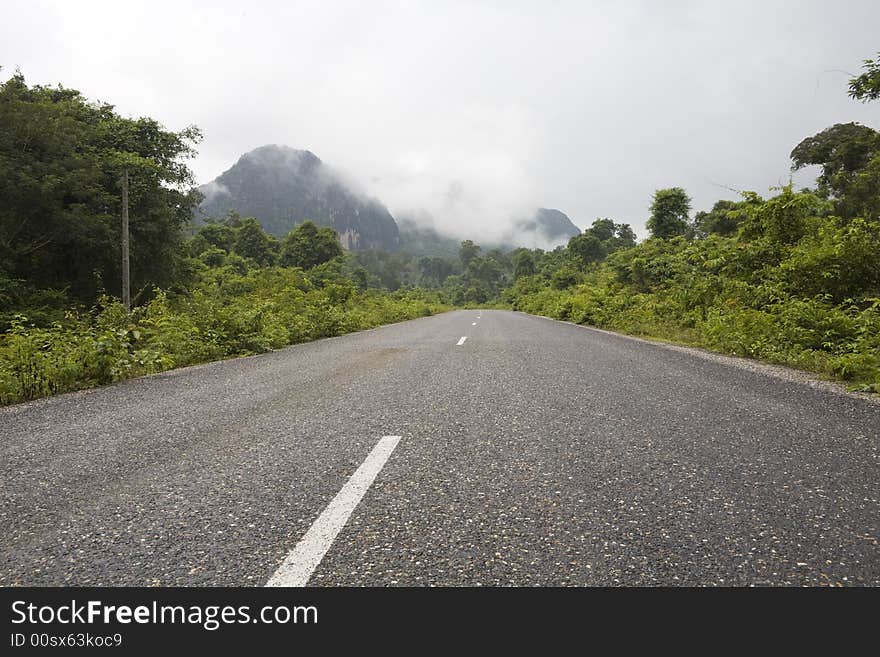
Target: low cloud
212,190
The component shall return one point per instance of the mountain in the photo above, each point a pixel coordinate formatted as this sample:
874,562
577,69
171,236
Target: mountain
550,225
282,187
545,229
419,237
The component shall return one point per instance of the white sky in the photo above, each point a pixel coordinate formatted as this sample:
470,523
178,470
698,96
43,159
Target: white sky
475,110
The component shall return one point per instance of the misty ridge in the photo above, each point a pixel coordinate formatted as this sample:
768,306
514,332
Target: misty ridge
282,186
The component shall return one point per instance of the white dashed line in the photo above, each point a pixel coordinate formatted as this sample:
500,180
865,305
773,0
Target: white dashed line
461,342
301,562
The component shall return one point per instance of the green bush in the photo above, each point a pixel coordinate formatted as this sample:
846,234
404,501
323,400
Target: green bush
793,286
230,313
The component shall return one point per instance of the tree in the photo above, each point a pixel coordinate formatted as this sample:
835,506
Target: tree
783,219
602,229
61,160
219,234
486,273
849,154
867,86
564,277
213,257
722,219
523,263
587,248
434,270
361,277
251,241
307,246
669,213
624,237
468,252
613,236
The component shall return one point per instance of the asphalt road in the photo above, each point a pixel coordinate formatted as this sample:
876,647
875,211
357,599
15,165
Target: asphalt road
535,453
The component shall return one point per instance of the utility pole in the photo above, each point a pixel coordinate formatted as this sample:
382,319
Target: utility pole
126,282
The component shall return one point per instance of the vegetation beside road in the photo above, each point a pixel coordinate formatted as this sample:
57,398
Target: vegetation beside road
812,304
791,279
228,312
200,293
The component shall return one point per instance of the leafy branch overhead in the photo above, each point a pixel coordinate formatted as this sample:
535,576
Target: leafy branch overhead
866,86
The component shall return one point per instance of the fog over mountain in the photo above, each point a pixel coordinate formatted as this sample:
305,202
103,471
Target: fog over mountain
476,112
283,187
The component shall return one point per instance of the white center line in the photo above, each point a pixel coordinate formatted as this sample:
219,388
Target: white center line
301,562
461,342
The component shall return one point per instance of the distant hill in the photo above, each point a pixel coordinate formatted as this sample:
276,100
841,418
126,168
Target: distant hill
546,228
550,225
417,237
283,187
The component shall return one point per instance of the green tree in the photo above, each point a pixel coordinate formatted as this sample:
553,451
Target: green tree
523,263
669,213
602,229
587,248
784,219
722,219
612,237
251,241
433,270
468,252
486,272
61,160
361,278
849,154
564,277
841,260
866,86
219,234
624,237
213,257
307,246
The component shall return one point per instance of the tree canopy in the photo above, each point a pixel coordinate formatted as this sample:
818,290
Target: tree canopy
866,86
308,246
61,160
670,209
849,154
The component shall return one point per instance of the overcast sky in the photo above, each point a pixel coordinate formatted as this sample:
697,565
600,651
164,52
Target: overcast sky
475,110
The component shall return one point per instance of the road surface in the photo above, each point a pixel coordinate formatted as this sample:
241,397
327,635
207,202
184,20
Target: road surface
471,448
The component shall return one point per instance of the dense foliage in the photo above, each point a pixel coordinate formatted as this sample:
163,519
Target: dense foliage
61,160
234,305
229,289
813,302
792,279
866,86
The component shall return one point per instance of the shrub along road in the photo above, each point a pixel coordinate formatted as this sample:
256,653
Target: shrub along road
533,452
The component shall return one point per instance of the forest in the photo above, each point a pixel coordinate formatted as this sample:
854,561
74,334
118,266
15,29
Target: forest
793,278
202,293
